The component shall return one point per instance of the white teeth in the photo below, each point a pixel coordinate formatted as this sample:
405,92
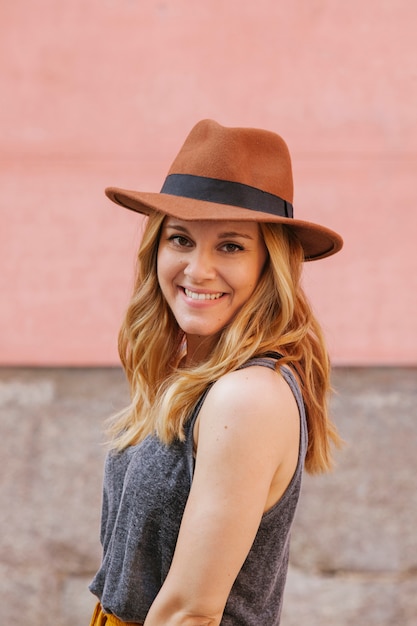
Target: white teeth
201,296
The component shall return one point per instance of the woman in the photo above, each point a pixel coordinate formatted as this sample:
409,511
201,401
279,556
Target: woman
229,378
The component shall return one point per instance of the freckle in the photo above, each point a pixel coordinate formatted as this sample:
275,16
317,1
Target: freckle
225,427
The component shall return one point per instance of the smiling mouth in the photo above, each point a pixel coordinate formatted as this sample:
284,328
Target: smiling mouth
202,296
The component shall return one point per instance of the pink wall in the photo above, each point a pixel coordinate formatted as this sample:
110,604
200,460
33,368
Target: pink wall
103,93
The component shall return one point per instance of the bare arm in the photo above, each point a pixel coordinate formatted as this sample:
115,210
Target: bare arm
248,438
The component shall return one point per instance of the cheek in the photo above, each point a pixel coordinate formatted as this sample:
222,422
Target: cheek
251,276
262,262
255,272
162,260
160,268
166,268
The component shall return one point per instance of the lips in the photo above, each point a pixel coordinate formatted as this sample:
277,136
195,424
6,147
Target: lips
194,295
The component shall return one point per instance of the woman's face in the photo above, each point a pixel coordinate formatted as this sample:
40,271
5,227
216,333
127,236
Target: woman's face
207,270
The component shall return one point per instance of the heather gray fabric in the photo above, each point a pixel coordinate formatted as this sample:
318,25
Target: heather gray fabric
145,492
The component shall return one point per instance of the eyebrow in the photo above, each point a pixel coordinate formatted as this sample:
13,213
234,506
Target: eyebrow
225,235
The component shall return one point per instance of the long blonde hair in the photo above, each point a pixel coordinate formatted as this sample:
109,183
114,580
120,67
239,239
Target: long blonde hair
276,318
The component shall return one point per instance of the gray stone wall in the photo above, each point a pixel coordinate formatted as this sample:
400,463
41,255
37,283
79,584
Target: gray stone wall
354,546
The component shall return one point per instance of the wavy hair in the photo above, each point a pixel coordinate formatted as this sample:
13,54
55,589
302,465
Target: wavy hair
276,318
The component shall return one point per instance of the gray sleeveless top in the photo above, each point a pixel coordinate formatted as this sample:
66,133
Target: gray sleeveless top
145,492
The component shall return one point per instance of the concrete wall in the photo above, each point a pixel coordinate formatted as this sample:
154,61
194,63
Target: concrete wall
103,92
354,546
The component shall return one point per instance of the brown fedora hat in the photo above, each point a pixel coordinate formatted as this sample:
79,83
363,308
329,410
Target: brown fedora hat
225,173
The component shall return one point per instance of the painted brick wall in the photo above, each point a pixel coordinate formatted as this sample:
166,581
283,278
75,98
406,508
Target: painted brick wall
103,92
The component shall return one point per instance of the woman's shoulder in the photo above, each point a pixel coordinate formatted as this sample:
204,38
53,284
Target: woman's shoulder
252,389
250,414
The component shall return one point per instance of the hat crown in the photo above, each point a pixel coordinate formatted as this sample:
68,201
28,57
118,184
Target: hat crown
253,157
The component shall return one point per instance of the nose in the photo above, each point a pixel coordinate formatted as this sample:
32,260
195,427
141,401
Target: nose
200,266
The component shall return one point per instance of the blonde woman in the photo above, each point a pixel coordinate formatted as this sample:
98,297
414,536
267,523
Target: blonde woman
229,379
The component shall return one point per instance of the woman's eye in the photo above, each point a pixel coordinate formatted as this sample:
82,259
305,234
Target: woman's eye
179,240
231,247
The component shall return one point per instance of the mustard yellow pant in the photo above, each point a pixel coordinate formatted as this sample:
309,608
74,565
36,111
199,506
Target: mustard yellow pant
104,619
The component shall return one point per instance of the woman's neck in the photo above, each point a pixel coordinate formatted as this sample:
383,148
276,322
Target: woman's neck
198,349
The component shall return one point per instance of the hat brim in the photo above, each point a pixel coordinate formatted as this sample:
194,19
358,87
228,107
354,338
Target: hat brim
318,242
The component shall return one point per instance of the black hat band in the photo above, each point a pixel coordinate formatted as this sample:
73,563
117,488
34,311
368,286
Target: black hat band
226,192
